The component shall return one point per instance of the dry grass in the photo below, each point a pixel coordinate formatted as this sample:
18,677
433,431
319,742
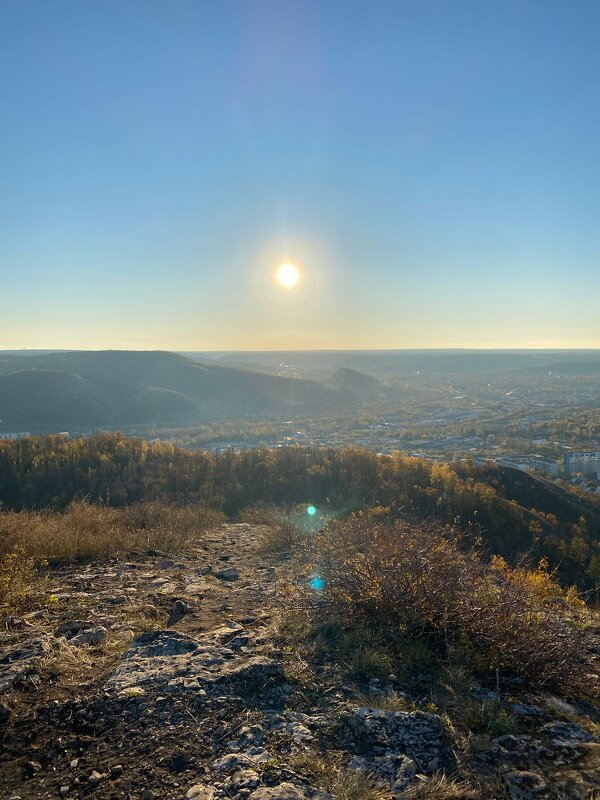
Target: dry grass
277,534
350,785
87,531
440,787
369,661
31,539
384,701
354,648
344,784
327,773
68,661
18,576
485,719
74,666
422,586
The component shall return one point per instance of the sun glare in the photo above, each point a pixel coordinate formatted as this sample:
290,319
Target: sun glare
288,275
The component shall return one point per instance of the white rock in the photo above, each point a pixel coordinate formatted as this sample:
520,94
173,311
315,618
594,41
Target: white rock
200,791
94,636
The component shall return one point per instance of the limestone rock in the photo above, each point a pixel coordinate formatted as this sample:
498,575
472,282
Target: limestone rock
249,736
397,734
231,762
156,658
178,611
227,574
200,791
17,662
75,626
94,636
244,779
559,756
406,769
238,761
524,785
288,791
173,661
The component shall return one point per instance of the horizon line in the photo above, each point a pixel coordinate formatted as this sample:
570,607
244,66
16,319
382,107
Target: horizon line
471,349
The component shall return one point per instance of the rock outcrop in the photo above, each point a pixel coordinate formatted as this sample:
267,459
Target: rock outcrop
203,706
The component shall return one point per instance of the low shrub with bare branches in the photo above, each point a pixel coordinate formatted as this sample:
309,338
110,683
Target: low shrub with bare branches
417,577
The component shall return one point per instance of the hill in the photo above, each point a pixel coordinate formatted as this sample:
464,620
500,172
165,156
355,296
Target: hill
356,383
515,515
189,631
73,390
532,491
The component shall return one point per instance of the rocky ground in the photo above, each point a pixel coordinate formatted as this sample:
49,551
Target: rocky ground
164,677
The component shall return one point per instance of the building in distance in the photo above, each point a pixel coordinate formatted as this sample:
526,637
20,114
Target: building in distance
584,462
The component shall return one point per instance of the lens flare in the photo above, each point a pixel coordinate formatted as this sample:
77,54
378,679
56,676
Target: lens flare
311,511
288,275
317,584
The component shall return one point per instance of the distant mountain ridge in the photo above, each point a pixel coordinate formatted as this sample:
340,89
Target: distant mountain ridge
408,362
108,388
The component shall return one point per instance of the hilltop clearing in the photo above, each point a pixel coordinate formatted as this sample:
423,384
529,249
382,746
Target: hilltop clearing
211,672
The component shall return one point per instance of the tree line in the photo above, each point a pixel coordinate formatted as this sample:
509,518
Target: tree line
513,518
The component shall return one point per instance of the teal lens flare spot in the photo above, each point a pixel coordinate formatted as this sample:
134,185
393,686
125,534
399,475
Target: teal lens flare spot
311,511
317,584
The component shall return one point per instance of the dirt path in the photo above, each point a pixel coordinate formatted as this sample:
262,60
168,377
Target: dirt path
71,735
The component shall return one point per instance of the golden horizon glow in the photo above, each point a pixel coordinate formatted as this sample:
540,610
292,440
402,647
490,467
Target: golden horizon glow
288,275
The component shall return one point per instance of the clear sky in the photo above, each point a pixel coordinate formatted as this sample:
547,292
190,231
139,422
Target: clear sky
431,166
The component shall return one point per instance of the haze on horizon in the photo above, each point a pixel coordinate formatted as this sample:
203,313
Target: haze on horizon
431,169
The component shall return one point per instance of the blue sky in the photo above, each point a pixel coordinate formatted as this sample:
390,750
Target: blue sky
433,168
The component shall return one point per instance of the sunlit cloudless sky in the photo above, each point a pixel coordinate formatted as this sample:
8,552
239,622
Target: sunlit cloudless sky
432,167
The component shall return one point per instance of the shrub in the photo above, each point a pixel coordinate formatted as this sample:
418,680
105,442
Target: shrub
419,580
485,718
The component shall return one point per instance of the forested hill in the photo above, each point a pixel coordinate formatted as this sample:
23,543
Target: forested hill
74,390
516,515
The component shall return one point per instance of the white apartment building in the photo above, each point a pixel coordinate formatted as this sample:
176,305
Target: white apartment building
586,463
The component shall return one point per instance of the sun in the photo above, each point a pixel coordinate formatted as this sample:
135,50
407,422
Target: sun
288,275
